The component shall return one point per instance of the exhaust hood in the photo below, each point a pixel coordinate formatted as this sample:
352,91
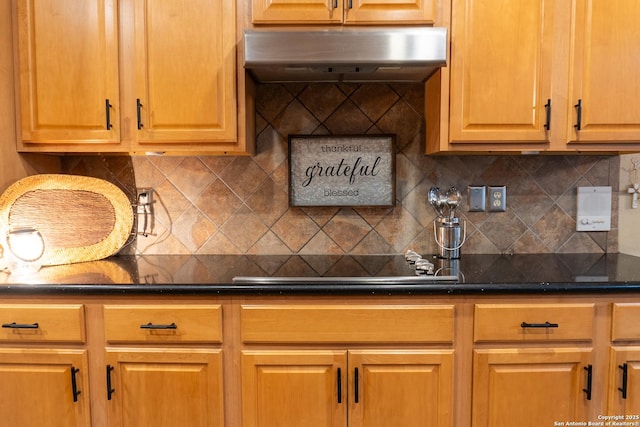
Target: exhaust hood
351,55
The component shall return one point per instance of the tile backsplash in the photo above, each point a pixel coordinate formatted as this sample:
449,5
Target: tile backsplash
238,205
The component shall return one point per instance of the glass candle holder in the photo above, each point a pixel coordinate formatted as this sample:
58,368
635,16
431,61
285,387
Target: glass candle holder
23,250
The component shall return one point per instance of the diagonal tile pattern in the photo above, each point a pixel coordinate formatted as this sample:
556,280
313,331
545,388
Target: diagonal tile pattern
239,205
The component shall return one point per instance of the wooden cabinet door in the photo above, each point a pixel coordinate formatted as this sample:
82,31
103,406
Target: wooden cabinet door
604,72
624,382
67,54
390,11
300,11
501,57
409,388
165,388
343,11
184,73
37,388
302,388
541,386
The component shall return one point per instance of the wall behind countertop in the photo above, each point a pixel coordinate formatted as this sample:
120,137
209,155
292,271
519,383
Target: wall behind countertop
237,205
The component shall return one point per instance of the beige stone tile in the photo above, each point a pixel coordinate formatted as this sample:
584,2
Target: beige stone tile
219,244
502,229
321,99
269,244
218,202
269,202
295,119
295,229
347,228
244,228
193,229
399,228
243,176
554,228
348,119
375,100
320,243
191,178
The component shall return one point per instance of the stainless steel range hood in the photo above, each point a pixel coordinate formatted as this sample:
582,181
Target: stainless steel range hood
383,55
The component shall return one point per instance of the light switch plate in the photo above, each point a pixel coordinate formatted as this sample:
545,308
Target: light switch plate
594,209
477,198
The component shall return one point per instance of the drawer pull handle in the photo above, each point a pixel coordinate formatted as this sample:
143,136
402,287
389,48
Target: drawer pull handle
587,390
578,108
74,385
107,108
538,325
152,326
339,385
15,325
139,113
356,391
547,107
110,389
623,389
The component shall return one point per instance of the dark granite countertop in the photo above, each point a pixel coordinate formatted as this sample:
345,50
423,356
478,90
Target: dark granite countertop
317,274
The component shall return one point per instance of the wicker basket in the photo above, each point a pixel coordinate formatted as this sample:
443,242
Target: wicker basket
80,218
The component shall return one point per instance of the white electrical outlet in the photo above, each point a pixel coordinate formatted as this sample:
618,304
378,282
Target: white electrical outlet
594,209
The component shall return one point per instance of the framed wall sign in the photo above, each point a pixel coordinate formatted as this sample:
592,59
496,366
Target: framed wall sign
330,170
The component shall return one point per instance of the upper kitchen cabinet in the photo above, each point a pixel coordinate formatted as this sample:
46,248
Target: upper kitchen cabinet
538,76
183,69
357,12
162,73
604,90
67,78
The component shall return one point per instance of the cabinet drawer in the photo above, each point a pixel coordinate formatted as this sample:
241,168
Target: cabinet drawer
163,323
625,324
352,324
42,323
533,322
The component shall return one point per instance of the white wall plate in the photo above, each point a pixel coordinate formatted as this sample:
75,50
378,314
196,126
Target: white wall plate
594,209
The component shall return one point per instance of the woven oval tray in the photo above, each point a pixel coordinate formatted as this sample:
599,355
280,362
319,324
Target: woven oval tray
80,218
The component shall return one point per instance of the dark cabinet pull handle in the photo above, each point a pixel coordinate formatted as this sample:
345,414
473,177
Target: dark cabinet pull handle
547,108
578,108
339,385
138,109
356,391
587,390
538,325
152,326
15,325
74,385
623,389
107,107
110,390
350,4
335,4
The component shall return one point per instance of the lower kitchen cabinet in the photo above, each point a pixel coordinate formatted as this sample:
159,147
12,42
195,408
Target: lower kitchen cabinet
624,365
44,387
364,388
539,385
165,387
624,382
